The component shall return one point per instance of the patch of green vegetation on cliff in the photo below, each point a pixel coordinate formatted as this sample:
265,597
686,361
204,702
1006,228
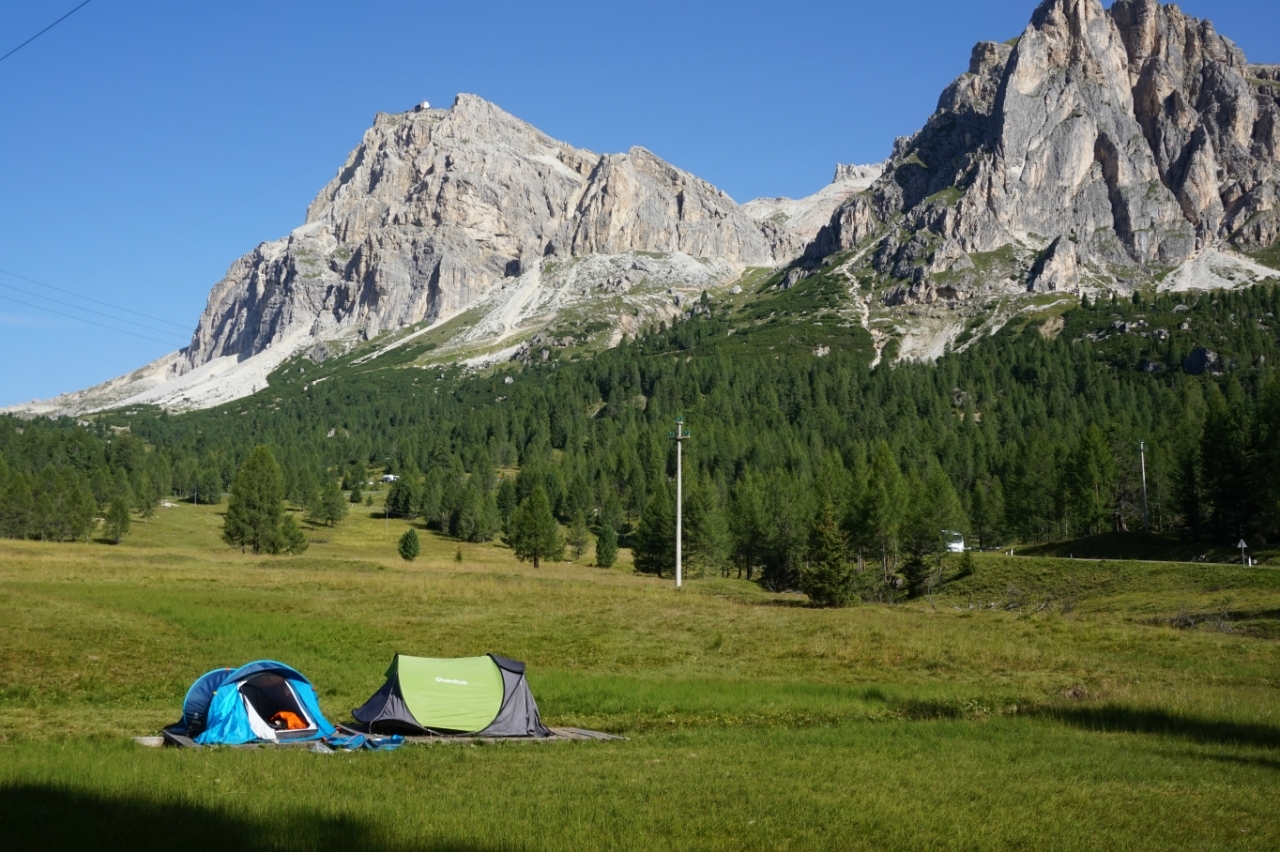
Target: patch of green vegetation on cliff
1267,256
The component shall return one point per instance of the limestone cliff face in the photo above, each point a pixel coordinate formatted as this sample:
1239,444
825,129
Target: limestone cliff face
436,207
1107,144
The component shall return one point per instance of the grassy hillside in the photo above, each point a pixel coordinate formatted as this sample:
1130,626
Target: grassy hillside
1035,703
1157,548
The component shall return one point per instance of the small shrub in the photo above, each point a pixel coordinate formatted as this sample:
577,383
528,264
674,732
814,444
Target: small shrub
409,546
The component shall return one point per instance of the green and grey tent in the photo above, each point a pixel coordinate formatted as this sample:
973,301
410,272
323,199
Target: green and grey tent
485,696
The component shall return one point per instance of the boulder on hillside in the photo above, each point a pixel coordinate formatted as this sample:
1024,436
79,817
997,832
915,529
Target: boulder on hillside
1202,361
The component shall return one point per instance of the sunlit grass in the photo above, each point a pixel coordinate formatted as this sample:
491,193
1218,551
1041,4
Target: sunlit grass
753,721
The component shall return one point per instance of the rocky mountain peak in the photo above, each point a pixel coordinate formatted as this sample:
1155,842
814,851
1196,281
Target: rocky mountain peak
1137,135
434,208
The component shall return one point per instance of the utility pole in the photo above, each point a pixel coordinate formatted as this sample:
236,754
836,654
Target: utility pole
679,436
1146,517
386,504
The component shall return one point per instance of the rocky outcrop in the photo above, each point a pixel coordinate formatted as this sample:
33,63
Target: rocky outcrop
1100,146
864,175
435,208
1057,269
794,222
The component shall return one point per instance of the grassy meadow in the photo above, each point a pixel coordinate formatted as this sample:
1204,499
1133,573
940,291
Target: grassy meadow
1039,703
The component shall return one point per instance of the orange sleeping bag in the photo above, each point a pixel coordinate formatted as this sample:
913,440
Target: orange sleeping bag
286,721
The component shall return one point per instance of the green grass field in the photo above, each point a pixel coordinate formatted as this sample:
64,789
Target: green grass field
1040,703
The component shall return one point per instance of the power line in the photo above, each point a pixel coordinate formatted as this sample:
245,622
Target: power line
45,30
82,319
88,310
88,299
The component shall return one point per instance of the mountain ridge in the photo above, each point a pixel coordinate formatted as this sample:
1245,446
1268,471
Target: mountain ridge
1103,150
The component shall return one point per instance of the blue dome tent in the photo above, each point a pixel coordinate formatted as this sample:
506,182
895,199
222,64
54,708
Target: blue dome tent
245,705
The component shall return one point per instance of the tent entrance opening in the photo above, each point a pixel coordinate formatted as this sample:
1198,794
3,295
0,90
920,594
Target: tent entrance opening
270,694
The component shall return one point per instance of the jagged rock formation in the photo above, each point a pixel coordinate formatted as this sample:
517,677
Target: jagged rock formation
802,218
1101,148
865,175
439,212
436,207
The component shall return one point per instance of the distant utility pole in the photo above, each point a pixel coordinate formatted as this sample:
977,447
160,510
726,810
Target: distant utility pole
386,504
1146,517
679,436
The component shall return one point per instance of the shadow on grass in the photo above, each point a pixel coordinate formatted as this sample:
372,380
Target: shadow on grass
52,819
1252,615
1263,762
1118,719
785,603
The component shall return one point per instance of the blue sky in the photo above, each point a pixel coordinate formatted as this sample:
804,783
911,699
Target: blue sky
145,145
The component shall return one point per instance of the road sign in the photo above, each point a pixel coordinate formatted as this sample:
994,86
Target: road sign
1242,546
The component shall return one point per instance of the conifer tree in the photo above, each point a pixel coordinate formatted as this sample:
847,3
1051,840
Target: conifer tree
403,494
100,482
291,538
161,477
144,496
1032,506
534,534
988,510
304,487
611,511
18,508
828,577
116,523
884,509
208,488
430,499
654,548
1091,478
606,547
746,524
787,517
490,520
355,498
327,505
935,510
1229,464
706,532
76,506
506,499
579,537
45,514
121,487
408,547
476,519
257,505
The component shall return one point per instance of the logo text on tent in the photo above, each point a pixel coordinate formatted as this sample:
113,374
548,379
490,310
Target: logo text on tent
447,680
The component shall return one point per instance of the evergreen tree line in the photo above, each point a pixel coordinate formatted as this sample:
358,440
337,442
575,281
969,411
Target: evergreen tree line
1034,433
59,480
